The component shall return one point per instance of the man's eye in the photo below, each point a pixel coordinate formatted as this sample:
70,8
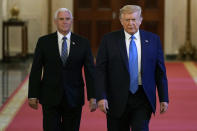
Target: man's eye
64,18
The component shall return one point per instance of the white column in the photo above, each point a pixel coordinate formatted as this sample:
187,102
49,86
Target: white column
168,27
194,22
175,25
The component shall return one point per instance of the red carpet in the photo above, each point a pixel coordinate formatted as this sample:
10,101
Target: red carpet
181,115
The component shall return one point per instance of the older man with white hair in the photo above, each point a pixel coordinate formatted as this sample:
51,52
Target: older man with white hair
56,76
129,68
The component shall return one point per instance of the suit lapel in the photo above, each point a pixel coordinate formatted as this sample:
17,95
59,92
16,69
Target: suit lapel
54,41
73,45
123,51
144,44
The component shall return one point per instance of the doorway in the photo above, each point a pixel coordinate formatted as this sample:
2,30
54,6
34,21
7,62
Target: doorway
94,18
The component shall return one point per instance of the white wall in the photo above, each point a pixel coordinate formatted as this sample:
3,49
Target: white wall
35,13
175,24
194,22
44,17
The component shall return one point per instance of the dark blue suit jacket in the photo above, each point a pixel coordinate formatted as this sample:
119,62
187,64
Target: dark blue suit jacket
58,79
112,69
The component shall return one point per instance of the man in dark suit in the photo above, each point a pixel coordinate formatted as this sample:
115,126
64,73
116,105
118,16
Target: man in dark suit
56,76
129,68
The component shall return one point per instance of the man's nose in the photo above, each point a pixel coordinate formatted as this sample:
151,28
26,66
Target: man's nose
65,21
130,22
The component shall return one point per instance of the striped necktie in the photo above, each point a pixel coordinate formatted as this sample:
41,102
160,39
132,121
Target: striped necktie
64,53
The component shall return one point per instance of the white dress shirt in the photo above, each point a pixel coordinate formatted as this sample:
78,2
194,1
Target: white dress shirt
138,45
60,41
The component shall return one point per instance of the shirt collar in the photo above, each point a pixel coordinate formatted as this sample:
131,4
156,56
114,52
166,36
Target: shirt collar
60,36
128,36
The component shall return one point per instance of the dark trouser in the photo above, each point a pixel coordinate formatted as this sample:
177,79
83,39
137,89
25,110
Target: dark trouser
61,117
136,115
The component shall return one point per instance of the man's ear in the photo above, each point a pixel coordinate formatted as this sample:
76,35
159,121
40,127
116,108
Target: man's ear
121,21
141,18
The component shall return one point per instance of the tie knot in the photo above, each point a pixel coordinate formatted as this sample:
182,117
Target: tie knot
132,37
64,38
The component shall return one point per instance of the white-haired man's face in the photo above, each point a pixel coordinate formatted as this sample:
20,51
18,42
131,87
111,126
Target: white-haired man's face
63,22
131,22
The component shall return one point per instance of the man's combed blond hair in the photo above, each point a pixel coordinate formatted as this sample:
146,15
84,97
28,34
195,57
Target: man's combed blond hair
130,9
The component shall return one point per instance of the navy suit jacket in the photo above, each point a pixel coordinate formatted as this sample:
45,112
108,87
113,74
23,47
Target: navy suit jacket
112,69
49,79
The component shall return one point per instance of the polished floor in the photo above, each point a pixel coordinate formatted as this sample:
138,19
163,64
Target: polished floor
12,73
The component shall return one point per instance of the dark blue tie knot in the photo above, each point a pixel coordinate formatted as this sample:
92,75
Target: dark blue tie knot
64,38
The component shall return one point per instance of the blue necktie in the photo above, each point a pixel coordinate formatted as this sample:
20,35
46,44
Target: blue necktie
133,66
64,54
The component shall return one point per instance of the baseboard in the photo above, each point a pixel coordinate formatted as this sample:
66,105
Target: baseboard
16,59
171,57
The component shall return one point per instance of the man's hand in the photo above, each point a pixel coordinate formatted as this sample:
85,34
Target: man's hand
103,105
33,103
163,107
92,105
